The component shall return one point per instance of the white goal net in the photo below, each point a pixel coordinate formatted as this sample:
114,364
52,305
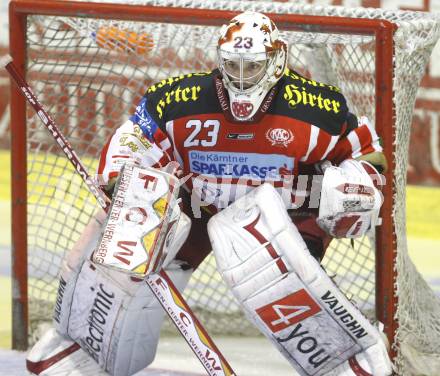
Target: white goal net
90,72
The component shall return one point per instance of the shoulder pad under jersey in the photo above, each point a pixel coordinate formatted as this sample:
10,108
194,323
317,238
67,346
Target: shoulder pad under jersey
311,101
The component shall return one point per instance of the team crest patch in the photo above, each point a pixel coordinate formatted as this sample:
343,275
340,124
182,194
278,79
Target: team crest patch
242,109
279,136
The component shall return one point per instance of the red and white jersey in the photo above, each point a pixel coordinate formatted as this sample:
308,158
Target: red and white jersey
187,119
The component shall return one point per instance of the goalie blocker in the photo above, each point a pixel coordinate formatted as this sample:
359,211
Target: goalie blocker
287,295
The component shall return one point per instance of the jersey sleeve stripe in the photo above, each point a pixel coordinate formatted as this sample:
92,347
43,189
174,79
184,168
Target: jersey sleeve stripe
154,156
364,135
369,149
368,139
170,131
323,142
165,144
377,146
313,141
363,120
355,144
366,126
331,146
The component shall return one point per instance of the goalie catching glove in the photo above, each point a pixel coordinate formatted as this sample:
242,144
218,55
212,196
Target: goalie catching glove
350,199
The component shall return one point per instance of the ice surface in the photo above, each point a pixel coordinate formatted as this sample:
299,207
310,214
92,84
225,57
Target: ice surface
247,356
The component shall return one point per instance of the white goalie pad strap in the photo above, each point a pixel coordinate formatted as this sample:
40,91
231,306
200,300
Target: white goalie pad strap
142,216
283,289
350,202
115,318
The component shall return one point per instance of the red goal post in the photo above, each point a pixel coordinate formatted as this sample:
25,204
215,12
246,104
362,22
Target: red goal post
26,32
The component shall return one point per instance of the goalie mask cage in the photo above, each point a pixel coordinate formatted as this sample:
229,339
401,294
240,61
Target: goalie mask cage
89,64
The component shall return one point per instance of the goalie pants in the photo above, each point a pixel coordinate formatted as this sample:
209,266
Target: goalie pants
198,245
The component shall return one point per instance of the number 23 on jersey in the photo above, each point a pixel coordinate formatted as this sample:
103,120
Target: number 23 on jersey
203,133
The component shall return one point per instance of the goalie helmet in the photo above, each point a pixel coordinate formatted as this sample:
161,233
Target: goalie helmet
252,58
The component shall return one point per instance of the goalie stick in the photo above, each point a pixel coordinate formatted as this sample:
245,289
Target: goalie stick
160,284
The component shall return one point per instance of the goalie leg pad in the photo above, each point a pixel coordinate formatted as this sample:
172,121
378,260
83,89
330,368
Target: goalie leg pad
282,288
114,318
71,266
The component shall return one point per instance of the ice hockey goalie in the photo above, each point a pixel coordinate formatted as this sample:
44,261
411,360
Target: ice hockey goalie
244,136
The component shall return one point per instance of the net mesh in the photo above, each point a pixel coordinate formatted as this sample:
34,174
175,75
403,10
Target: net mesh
90,74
